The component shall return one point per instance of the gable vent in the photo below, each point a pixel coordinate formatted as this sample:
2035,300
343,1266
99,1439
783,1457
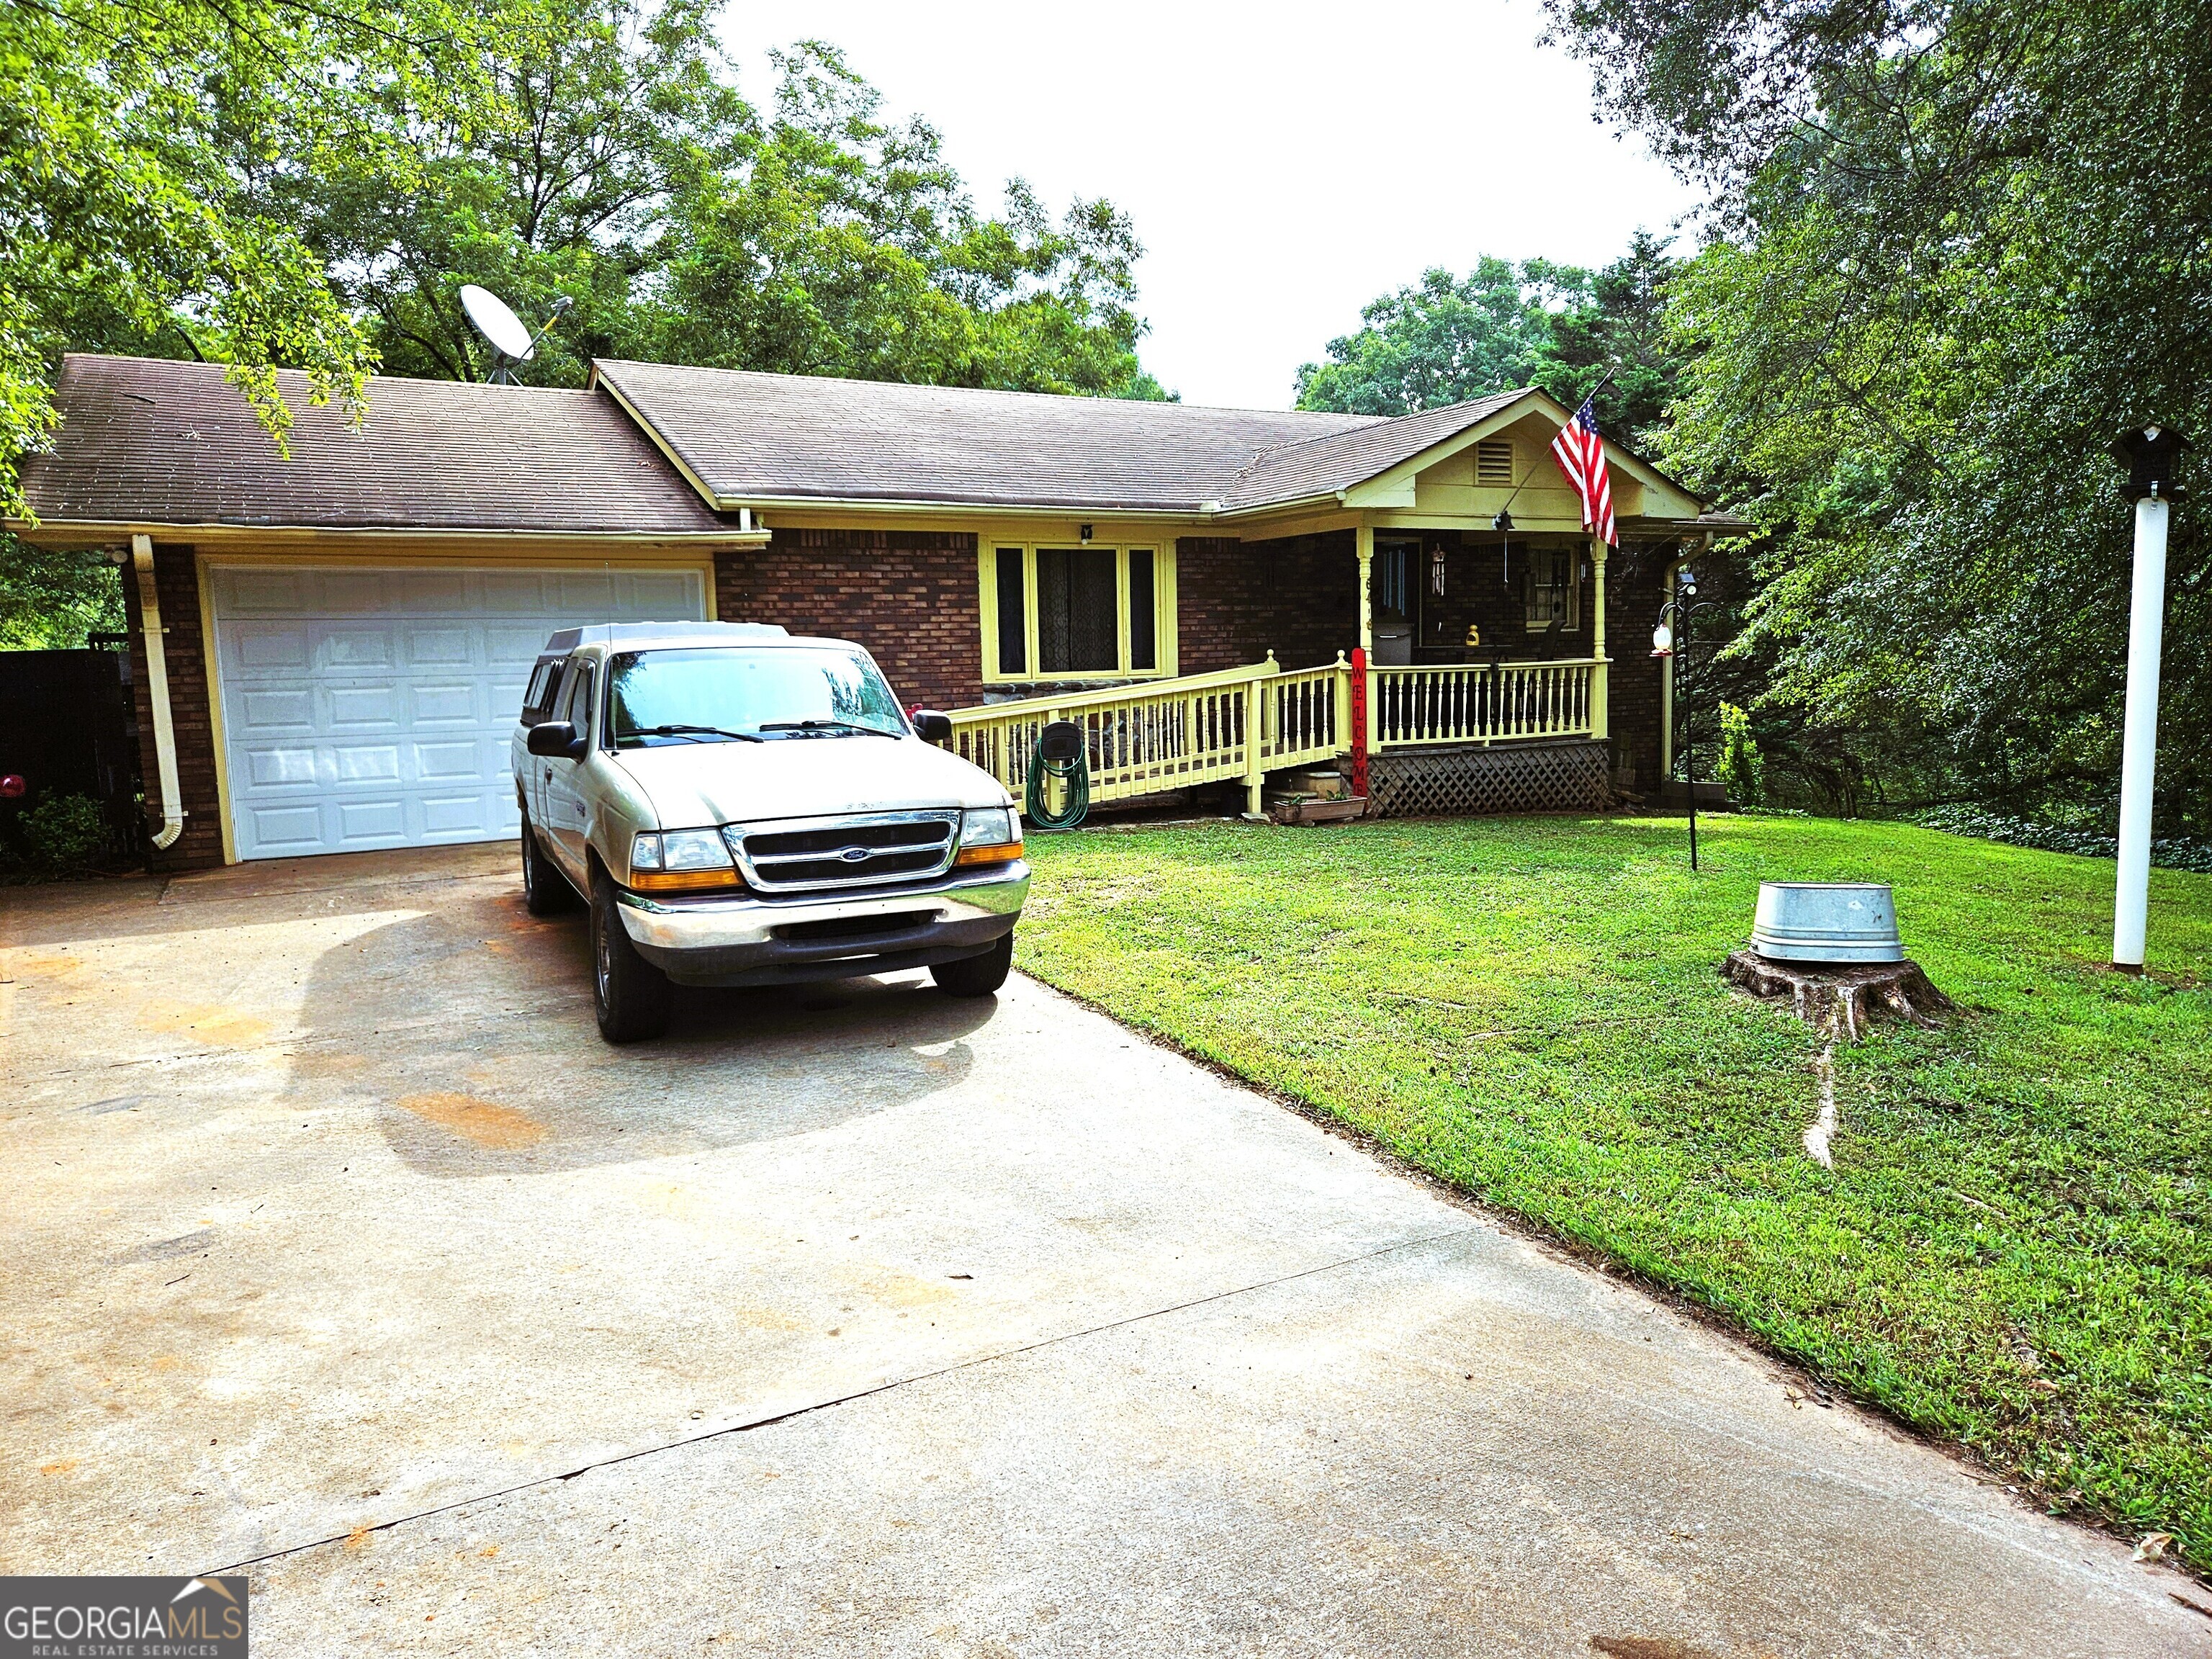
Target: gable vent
1493,461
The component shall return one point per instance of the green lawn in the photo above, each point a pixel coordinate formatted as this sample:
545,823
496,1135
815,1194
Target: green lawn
2014,1250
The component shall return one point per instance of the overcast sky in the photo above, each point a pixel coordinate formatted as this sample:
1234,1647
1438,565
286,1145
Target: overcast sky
1283,164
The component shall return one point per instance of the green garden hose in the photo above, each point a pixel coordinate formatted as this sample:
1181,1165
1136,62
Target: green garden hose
1060,753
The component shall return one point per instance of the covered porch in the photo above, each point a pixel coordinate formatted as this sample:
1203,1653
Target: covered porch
1445,617
1457,666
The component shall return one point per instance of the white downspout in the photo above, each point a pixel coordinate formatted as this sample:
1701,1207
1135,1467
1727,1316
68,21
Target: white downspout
157,693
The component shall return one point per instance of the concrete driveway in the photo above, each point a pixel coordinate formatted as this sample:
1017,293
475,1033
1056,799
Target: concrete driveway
858,1320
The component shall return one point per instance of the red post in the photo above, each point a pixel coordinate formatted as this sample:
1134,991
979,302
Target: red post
1359,721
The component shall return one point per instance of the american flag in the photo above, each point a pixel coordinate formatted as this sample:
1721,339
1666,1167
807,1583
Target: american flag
1581,454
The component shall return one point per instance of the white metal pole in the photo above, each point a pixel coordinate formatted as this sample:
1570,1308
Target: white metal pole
2139,744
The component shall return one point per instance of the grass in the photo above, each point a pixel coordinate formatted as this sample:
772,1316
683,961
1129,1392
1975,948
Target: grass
2014,1250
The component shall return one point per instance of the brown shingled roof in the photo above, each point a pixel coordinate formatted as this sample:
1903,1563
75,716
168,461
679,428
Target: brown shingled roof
1322,465
157,442
751,437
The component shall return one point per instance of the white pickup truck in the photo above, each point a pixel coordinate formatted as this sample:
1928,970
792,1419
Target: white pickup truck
739,806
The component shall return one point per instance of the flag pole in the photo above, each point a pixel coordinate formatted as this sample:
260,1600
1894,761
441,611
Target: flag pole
2149,453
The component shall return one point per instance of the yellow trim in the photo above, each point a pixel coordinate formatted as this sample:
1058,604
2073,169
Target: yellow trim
653,436
319,542
1166,633
1384,489
1575,556
386,559
215,734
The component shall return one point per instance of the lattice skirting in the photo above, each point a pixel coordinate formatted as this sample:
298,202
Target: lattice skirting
1568,775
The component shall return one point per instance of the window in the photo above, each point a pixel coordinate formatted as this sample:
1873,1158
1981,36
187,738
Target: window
540,694
1144,624
1493,461
1554,591
576,698
1013,613
1079,621
1084,612
721,694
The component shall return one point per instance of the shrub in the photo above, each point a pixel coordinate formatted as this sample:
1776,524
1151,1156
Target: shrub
2171,853
62,835
1741,770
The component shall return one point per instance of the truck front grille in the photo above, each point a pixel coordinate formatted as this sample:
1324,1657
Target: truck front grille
808,855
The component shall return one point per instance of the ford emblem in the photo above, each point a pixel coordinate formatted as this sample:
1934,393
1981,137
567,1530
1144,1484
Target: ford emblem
855,854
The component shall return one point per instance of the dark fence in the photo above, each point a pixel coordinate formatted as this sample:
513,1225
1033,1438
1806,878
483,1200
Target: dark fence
67,728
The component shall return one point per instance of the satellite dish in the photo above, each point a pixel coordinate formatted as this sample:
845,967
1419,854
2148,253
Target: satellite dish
512,342
498,324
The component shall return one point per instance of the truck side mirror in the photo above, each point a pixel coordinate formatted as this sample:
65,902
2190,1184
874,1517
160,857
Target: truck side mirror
933,727
556,740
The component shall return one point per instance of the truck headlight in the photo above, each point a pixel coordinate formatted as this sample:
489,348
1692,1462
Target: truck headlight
989,835
680,861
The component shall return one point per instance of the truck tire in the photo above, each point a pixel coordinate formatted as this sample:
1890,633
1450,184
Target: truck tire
629,995
976,976
545,890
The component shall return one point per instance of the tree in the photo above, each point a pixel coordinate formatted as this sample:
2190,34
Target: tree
138,141
310,182
848,246
1620,324
614,116
1441,341
1958,247
135,138
635,182
51,601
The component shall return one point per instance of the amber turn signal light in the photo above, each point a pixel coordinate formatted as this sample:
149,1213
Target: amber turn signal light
685,881
1005,853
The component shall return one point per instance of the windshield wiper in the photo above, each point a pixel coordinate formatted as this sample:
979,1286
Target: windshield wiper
825,727
694,730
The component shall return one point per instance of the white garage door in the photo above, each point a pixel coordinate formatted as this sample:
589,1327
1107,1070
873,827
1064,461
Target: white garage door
369,708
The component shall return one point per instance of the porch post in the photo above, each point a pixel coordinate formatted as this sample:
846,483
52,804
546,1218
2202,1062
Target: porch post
1600,722
1363,549
1258,696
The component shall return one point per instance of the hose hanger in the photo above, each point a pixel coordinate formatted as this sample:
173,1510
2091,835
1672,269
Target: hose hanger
1061,753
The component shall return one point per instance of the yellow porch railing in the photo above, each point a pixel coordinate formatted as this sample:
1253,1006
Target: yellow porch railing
1472,702
1241,723
1141,739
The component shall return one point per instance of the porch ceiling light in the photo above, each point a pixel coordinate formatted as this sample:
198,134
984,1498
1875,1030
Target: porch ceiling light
1503,522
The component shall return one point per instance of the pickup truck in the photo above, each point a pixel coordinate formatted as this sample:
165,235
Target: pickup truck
739,806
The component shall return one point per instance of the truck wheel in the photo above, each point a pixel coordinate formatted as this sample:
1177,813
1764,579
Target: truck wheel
630,994
545,890
976,976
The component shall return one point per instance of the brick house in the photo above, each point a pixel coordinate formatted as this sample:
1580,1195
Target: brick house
342,634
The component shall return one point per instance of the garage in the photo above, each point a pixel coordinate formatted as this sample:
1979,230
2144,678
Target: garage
369,708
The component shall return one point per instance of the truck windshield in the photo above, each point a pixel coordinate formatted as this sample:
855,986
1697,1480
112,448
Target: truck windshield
718,694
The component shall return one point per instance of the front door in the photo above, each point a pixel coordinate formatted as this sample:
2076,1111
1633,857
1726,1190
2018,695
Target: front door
1395,593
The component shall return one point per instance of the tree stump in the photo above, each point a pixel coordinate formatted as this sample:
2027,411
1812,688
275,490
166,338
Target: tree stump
1840,1000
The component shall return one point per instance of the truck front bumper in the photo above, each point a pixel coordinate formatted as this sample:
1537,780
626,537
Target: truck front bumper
785,941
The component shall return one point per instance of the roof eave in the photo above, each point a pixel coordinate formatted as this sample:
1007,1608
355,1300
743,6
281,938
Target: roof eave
63,532
1027,506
